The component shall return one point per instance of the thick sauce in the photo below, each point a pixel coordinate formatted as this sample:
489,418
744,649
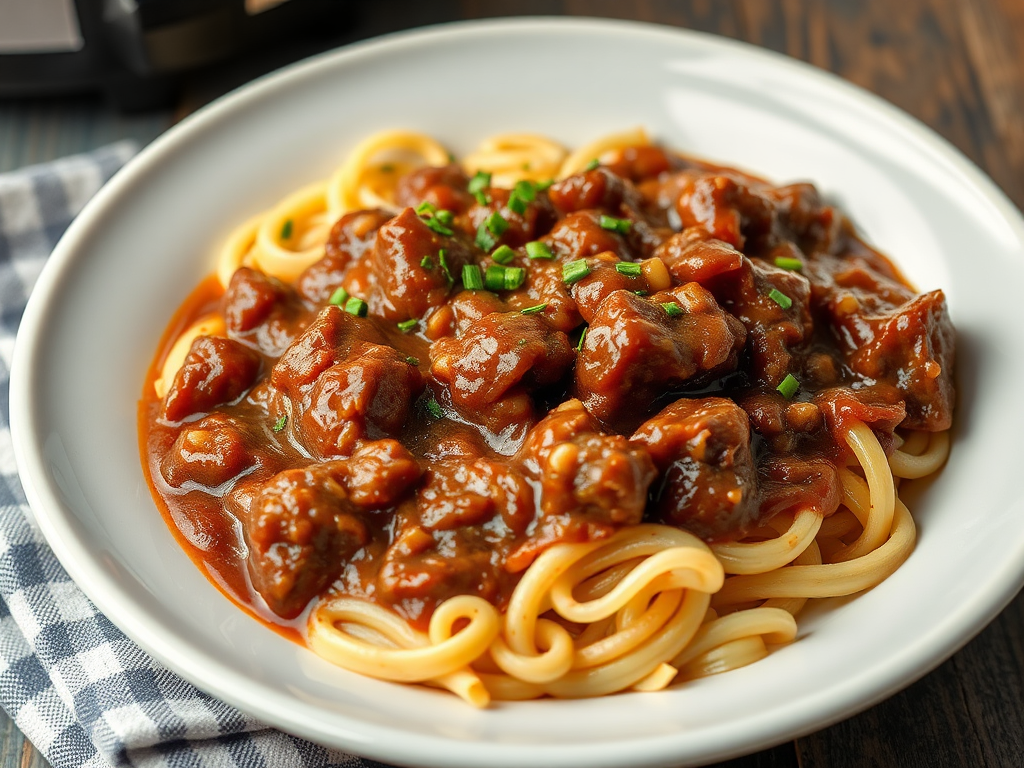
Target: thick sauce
732,330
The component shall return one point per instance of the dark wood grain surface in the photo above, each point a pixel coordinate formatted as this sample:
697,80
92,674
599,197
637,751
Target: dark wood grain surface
957,65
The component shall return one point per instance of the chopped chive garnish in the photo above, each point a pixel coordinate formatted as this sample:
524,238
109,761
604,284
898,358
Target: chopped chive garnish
516,204
542,185
628,268
407,325
622,226
436,225
435,408
534,310
445,217
425,207
640,293
356,306
539,250
583,338
484,239
514,277
503,254
780,298
481,180
497,224
592,165
279,424
494,278
574,271
673,309
471,277
442,257
481,198
286,230
789,386
786,262
525,190
339,297
427,263
412,360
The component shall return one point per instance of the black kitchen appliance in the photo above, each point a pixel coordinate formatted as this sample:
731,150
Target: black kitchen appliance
138,50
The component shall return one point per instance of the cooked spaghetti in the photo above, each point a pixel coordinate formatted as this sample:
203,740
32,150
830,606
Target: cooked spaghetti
545,423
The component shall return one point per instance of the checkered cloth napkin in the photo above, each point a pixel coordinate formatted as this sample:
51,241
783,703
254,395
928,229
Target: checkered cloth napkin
81,691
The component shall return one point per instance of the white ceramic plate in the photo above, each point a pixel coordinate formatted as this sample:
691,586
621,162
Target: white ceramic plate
148,237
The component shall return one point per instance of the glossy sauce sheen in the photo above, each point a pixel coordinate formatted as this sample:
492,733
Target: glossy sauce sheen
314,450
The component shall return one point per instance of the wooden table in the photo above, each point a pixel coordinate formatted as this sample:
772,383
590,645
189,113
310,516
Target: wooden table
957,65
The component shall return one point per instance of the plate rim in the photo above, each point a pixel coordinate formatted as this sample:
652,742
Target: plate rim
913,661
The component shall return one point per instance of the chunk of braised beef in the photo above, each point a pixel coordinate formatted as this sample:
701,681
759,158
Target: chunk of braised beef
441,186
817,227
726,205
536,218
880,407
602,280
910,347
209,453
351,236
459,492
469,306
422,568
580,235
786,426
596,189
643,162
545,285
379,474
406,262
757,294
794,483
216,371
500,351
300,527
635,350
708,480
694,256
590,482
262,311
368,394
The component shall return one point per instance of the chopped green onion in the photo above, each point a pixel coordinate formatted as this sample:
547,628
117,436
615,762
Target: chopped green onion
574,271
640,293
442,257
780,298
425,207
786,262
514,277
525,190
622,226
286,230
435,408
357,307
673,309
427,263
628,268
481,180
516,204
539,250
471,278
497,224
534,310
412,360
482,198
583,338
503,254
789,386
445,217
279,424
542,185
407,325
592,165
484,239
436,225
338,298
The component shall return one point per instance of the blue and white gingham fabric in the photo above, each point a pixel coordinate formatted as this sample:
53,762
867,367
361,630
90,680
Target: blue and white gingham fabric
81,691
